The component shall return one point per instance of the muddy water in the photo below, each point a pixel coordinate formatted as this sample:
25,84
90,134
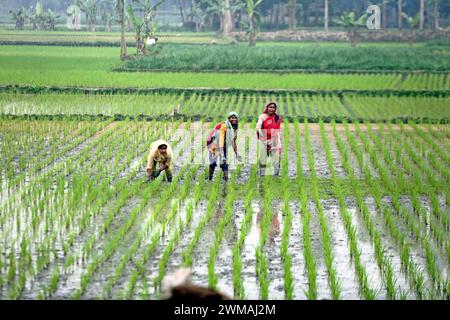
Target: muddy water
341,250
70,280
391,250
273,254
295,250
353,158
367,257
440,253
201,253
320,159
251,284
417,255
323,289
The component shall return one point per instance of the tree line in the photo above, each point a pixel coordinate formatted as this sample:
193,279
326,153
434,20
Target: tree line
226,16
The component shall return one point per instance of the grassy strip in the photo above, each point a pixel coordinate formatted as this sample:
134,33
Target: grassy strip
203,90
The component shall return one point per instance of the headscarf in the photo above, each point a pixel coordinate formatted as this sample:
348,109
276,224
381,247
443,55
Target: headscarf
232,113
266,110
231,131
156,144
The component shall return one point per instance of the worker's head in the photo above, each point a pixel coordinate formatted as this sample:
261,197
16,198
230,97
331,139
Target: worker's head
271,108
162,148
233,118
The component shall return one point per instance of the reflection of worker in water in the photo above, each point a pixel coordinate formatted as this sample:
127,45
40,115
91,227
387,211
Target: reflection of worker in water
219,140
268,132
160,154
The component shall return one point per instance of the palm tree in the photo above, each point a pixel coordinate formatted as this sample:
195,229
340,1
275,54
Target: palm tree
291,16
349,21
400,14
422,14
436,13
120,6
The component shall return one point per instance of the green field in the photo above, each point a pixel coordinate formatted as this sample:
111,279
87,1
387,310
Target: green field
306,57
91,67
197,106
360,210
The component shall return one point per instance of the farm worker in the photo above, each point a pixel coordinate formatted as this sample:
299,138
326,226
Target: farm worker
268,133
219,140
160,153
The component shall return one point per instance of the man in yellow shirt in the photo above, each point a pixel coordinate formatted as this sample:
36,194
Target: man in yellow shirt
160,154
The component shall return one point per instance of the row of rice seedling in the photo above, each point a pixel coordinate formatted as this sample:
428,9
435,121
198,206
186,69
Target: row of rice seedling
219,230
25,153
125,258
115,165
105,104
423,81
325,233
54,215
95,261
153,233
415,166
238,284
287,222
211,207
308,254
400,209
418,216
381,254
261,260
390,107
213,106
366,291
54,66
411,268
90,182
273,58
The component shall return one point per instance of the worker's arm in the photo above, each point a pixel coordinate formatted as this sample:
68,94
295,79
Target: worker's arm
259,126
150,159
238,157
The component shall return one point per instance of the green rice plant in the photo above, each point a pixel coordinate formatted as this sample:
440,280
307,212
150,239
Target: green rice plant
238,287
415,274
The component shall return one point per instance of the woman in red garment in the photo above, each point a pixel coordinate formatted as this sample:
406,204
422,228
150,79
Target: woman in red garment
268,132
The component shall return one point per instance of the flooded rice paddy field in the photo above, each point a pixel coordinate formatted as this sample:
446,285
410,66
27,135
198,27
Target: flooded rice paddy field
360,211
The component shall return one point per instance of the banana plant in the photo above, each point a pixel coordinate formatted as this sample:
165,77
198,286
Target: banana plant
89,7
254,19
50,18
198,14
37,16
349,21
413,22
20,16
106,13
145,26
